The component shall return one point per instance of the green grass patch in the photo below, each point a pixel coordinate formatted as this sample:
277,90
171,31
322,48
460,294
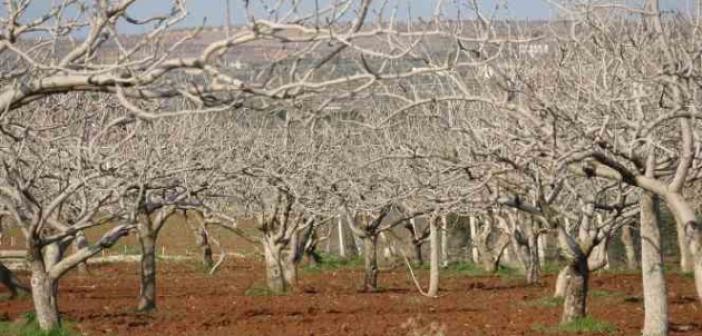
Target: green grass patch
551,268
28,326
687,275
463,268
601,293
587,324
546,301
620,271
331,262
470,269
508,273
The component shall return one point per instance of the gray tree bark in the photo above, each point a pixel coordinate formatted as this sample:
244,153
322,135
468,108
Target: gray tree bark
444,242
533,270
561,283
81,242
652,270
542,244
576,274
628,242
44,292
685,217
288,262
275,278
342,241
370,255
433,258
575,300
686,259
472,222
10,281
203,242
147,289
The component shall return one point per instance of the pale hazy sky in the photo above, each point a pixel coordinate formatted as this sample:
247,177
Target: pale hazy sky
213,10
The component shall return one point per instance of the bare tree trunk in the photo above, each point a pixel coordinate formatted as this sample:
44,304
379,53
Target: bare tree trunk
342,242
652,270
204,244
542,241
686,260
489,265
418,252
289,261
533,271
147,289
433,259
575,301
370,254
598,258
685,217
275,278
81,242
473,239
561,283
44,293
698,276
628,242
417,242
290,273
10,281
202,239
508,256
444,242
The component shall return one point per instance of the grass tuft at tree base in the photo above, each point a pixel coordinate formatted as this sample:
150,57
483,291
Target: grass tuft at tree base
330,262
587,324
546,301
261,290
464,268
28,326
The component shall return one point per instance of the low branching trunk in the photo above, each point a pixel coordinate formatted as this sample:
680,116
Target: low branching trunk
433,259
48,264
9,280
542,243
417,244
147,289
575,299
203,242
525,243
44,292
686,259
202,239
561,283
474,254
342,241
290,257
444,242
652,270
533,269
576,274
80,243
370,255
687,222
490,248
275,278
629,250
44,296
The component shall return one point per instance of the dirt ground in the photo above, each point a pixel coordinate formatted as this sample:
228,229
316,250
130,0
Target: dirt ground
327,303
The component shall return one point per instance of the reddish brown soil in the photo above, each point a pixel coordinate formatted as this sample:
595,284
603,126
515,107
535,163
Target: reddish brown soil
193,303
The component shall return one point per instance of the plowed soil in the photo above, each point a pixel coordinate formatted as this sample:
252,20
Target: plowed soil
231,302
